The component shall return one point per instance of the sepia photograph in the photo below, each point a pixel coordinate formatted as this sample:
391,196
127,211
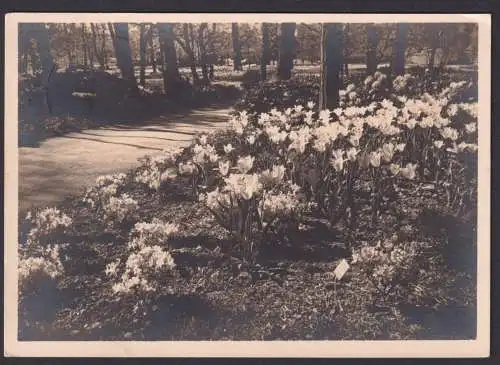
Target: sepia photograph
224,180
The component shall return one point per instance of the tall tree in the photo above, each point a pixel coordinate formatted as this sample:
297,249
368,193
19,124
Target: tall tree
265,51
124,54
41,38
112,35
236,47
24,47
435,38
152,50
213,53
308,41
169,65
99,54
331,60
371,51
398,61
86,55
186,41
142,54
202,43
38,35
286,51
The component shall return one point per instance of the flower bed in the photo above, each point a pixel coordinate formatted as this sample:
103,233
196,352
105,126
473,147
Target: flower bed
238,235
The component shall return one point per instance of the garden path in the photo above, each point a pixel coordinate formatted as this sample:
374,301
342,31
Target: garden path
67,164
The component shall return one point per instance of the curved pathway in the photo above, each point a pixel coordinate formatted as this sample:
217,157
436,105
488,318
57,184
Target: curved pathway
65,165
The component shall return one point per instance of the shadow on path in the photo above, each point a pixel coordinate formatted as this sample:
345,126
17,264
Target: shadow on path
118,143
64,165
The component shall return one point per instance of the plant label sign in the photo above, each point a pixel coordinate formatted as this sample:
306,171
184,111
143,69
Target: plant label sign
341,269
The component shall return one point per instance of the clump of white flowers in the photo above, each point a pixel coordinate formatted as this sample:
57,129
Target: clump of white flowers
40,257
47,221
243,186
408,172
140,270
403,82
157,169
106,186
155,232
272,177
147,259
118,209
204,153
281,205
46,262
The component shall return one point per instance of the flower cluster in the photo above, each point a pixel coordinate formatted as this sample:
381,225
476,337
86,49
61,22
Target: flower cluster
147,259
157,169
324,152
45,263
375,87
118,209
404,84
156,232
106,186
204,153
281,205
47,222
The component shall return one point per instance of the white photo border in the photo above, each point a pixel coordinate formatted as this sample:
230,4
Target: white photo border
480,347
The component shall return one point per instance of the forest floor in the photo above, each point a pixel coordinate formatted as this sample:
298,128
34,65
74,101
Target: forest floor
66,164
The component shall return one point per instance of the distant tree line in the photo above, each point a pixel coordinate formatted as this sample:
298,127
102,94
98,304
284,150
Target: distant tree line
167,46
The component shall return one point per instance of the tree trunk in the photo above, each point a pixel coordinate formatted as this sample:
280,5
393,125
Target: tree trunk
398,63
190,52
265,51
286,51
331,54
45,63
161,56
213,52
113,40
169,65
88,46
142,54
99,55
236,47
84,47
70,58
91,56
203,52
45,60
124,54
371,53
152,48
25,46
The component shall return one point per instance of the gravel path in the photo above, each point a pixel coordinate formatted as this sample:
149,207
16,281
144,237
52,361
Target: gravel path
66,165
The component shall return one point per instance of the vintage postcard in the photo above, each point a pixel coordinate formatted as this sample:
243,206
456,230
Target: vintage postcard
247,185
